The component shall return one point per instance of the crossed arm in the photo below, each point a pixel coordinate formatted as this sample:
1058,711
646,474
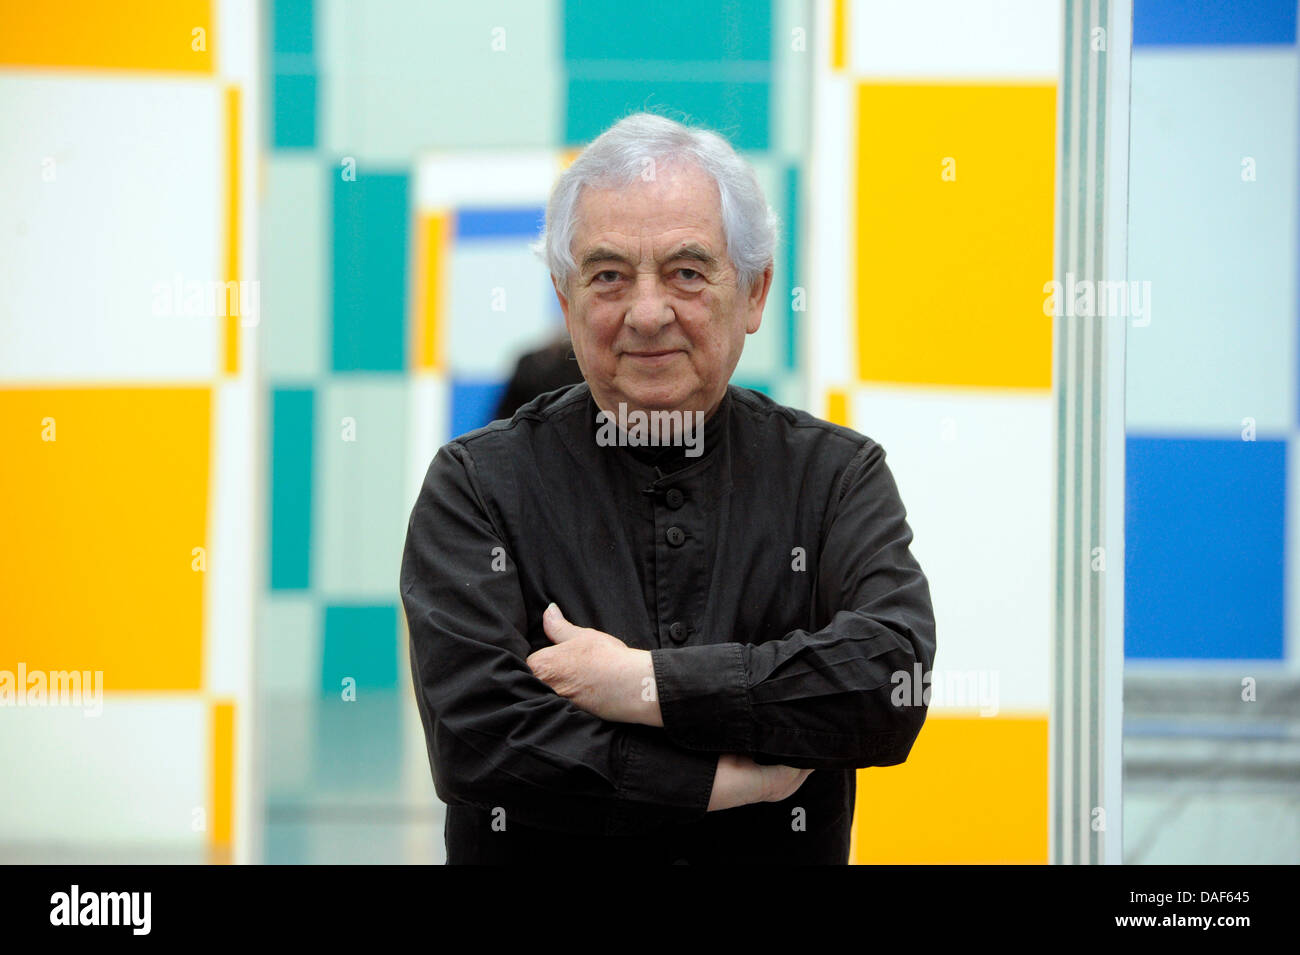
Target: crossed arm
602,675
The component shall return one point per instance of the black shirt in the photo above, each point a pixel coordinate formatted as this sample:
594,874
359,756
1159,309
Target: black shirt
770,577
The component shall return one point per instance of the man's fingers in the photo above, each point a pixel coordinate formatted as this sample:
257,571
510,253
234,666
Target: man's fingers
798,781
554,624
791,779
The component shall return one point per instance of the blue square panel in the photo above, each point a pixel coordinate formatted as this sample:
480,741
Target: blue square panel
473,404
1213,22
1205,528
522,222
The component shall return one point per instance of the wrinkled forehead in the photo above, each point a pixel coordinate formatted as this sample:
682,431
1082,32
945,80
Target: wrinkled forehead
673,202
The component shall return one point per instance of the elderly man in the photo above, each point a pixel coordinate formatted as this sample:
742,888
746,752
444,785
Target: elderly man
656,617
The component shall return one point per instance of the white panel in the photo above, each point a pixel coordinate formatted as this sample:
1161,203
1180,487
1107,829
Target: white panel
409,75
1216,343
289,652
790,68
826,325
135,773
237,41
135,202
360,518
233,557
488,178
486,343
295,280
938,39
974,470
427,420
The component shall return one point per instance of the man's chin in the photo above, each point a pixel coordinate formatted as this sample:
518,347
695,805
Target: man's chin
656,399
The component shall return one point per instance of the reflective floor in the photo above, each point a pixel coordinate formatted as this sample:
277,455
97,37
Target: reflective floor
348,782
1206,780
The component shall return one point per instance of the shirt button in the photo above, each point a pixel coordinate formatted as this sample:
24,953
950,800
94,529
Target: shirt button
674,498
677,632
676,536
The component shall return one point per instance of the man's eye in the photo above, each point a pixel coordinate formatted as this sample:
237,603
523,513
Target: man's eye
609,275
689,275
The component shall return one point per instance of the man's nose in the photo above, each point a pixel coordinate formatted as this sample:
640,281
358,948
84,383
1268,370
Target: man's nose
649,309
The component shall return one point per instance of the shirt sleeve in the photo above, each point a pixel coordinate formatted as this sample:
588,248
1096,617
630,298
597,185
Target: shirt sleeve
846,696
498,737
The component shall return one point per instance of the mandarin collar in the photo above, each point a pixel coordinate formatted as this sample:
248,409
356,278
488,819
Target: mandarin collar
660,458
709,474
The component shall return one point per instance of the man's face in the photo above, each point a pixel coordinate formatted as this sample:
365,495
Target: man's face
656,315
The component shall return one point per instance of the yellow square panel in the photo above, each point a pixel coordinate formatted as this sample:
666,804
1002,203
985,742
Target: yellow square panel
973,790
953,234
162,35
433,263
103,500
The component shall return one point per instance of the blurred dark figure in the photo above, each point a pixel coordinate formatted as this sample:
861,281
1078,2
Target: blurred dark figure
537,372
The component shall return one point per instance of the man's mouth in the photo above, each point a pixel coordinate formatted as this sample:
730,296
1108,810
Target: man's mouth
653,355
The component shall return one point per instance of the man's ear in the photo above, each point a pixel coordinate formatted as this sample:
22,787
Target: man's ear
757,300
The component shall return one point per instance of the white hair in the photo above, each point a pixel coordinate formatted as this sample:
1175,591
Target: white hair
644,141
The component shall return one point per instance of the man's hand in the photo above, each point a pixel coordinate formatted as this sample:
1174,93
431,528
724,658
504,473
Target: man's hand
597,671
740,781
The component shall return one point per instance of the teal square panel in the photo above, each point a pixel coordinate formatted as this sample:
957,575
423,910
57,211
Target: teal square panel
293,110
791,236
736,109
292,426
371,229
291,26
361,644
707,30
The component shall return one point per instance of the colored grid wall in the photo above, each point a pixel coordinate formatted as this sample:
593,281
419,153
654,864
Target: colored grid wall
1212,360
